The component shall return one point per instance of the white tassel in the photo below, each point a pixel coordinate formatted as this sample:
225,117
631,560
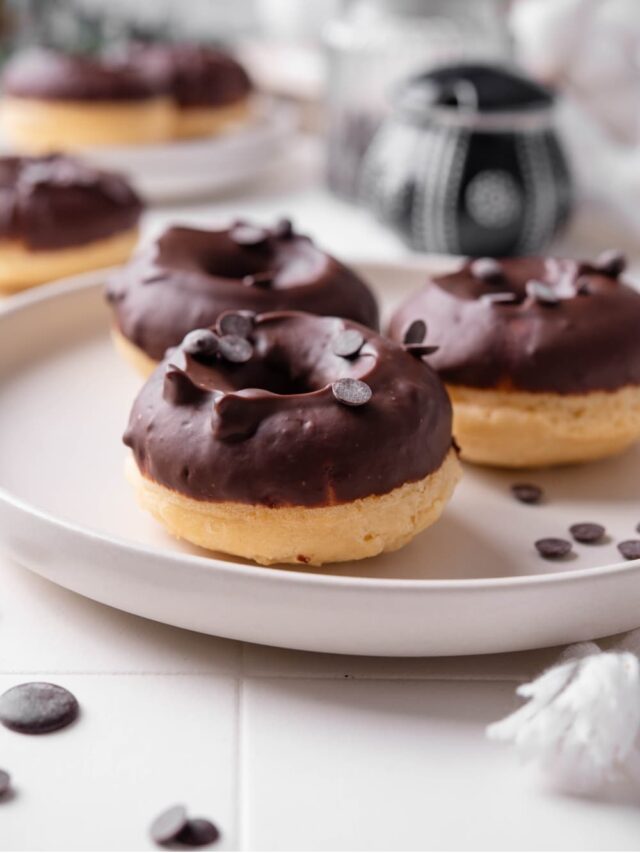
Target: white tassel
581,722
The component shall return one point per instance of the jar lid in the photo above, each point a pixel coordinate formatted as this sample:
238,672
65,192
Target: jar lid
475,88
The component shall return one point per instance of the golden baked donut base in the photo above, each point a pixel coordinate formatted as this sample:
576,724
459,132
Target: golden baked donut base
302,535
517,429
22,267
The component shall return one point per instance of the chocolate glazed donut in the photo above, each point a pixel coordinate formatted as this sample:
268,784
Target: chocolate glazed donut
306,439
189,276
524,335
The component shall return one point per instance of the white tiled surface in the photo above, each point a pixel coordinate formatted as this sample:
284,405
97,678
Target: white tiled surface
284,750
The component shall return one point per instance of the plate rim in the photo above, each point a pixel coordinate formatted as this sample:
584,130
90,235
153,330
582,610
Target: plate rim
94,281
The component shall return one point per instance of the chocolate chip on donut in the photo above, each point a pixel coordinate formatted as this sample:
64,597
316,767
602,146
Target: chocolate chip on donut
351,392
235,349
416,332
542,293
611,262
236,323
348,343
259,279
486,269
249,235
201,342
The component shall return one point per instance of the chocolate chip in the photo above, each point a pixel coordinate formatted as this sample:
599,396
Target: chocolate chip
630,549
351,392
499,297
542,293
249,236
587,532
168,825
283,229
200,342
527,493
583,288
486,269
416,332
259,279
418,350
37,707
198,832
348,343
236,323
552,548
611,262
234,348
5,782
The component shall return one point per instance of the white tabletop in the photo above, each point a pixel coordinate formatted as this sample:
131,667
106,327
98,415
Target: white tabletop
283,750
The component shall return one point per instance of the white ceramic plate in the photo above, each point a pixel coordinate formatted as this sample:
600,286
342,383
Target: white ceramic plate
471,584
198,167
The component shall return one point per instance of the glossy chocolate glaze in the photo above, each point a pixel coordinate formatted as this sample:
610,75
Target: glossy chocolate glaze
187,277
51,76
193,75
581,333
56,201
271,432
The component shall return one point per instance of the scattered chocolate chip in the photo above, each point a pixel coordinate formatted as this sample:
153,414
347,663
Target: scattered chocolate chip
259,279
630,549
5,782
198,832
168,825
236,323
416,332
249,236
418,350
178,389
37,707
542,293
348,343
552,548
612,262
234,348
499,297
200,342
527,493
587,532
486,269
351,392
283,229
583,287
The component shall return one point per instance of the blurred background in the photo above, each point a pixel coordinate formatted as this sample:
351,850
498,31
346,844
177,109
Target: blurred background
343,65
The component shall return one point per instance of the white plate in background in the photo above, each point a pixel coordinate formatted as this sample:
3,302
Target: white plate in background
471,584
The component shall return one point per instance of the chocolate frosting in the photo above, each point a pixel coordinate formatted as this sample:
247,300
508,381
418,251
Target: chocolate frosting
188,277
571,327
270,431
193,75
47,74
57,201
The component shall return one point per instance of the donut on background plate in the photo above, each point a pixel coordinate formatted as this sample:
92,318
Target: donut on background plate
292,438
59,217
541,357
54,101
208,89
189,276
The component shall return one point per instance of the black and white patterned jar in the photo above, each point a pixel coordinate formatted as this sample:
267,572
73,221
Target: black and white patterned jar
469,163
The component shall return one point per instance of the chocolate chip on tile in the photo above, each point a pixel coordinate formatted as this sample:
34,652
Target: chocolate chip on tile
259,279
542,293
235,349
418,350
527,493
200,343
198,832
486,269
347,343
552,548
416,332
5,782
587,532
283,228
502,297
611,262
630,549
236,323
37,707
351,392
168,825
249,235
